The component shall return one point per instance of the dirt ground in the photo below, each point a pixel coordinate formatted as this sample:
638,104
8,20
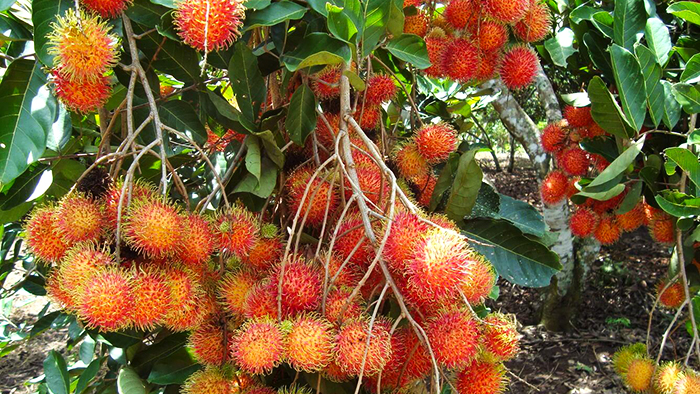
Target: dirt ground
617,299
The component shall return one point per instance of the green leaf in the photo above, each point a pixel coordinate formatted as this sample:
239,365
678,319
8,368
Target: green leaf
88,375
273,151
582,13
28,110
605,194
274,14
44,13
516,257
444,181
221,110
321,6
262,188
159,351
629,19
376,18
318,48
603,21
653,88
174,369
686,10
128,382
465,188
672,109
182,117
123,339
11,30
630,84
678,204
687,161
618,166
6,4
522,215
170,57
56,373
631,199
688,96
343,21
410,48
145,13
605,110
691,74
597,50
24,186
87,349
561,46
252,158
355,80
658,39
301,115
247,81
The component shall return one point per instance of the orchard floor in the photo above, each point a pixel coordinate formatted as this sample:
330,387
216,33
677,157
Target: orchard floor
617,299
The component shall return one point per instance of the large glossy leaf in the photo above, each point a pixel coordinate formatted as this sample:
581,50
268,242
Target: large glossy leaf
11,30
629,20
688,96
672,109
44,13
318,48
691,74
174,369
582,13
88,375
345,22
687,161
218,108
159,351
444,181
658,39
523,216
262,188
173,58
410,48
561,46
605,110
465,187
247,81
516,257
28,111
603,21
252,157
652,83
687,10
597,50
301,115
24,186
56,373
376,23
618,166
630,84
678,204
271,148
276,13
128,382
145,13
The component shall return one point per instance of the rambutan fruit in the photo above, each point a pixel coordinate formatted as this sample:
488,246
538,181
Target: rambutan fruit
608,231
58,294
488,65
107,300
209,343
460,13
351,233
632,219
461,60
258,346
236,230
673,297
492,35
554,187
666,377
107,8
154,228
326,83
186,295
151,298
370,116
342,274
595,131
507,11
81,96
578,116
418,360
606,206
414,3
481,377
324,135
436,43
392,370
536,24
79,219
689,383
553,138
435,142
519,65
454,337
624,356
583,222
406,231
417,24
426,187
139,191
310,343
264,253
481,277
663,228
260,301
234,289
352,346
208,381
42,235
213,32
321,194
197,241
639,374
500,336
294,389
83,46
334,373
574,161
79,265
335,304
380,88
301,285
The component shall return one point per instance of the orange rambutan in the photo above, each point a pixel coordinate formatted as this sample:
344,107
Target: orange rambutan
380,88
536,24
574,161
454,337
595,131
426,187
260,390
666,377
406,231
301,284
418,360
689,383
352,346
482,377
370,116
234,289
58,294
326,83
264,253
261,301
583,222
209,381
209,343
336,303
663,228
608,230
461,60
154,228
81,96
42,235
673,296
488,65
342,274
553,138
625,355
107,8
500,336
210,25
185,298
519,66
79,265
435,142
632,219
492,35
507,11
107,300
258,346
436,44
578,116
351,233
481,277
83,46
197,241
461,13
334,373
321,194
417,24
79,219
310,343
414,3
639,374
605,206
139,191
554,187
151,298
236,230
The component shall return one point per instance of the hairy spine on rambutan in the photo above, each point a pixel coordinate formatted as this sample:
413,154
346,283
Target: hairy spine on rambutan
410,162
325,85
519,66
406,231
151,298
81,96
673,296
107,8
79,265
583,222
79,219
355,353
639,374
492,35
336,310
154,228
380,88
301,285
261,301
461,13
417,24
107,300
662,228
258,346
234,289
608,231
554,187
436,44
574,161
632,219
310,343
265,253
197,241
461,60
624,356
666,377
500,336
578,116
435,142
209,381
311,205
536,24
454,337
210,25
507,11
553,138
481,277
186,294
42,234
482,377
236,231
689,383
209,343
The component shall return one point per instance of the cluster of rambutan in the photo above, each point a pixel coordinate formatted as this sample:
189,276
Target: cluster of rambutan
600,219
641,374
469,40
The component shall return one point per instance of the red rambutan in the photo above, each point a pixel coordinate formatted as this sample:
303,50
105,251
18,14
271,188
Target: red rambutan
435,142
301,285
380,88
81,96
79,219
426,187
197,241
310,343
554,187
608,231
574,161
461,60
673,296
212,32
663,228
583,222
352,342
632,219
140,191
461,13
406,231
507,11
154,228
481,277
578,116
343,275
208,344
264,253
325,85
107,300
488,65
454,337
234,289
334,373
351,233
42,235
553,138
519,65
335,303
236,230
500,336
416,24
151,298
79,265
492,35
536,24
185,298
209,381
258,346
436,43
107,8
321,194
370,116
481,377
261,301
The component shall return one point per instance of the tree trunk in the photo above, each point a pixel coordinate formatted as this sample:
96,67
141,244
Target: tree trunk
562,297
511,156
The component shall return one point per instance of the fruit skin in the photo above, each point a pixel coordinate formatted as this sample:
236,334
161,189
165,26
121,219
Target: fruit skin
553,138
335,302
261,301
139,191
689,383
321,194
352,345
578,116
410,163
264,253
666,376
301,285
426,187
84,96
42,235
536,24
107,8
554,187
417,24
310,343
234,289
79,219
482,377
673,297
258,346
608,231
326,84
197,241
623,357
500,336
662,229
460,13
519,66
461,60
350,233
405,232
507,11
236,231
633,219
435,142
380,88
454,337
209,381
154,228
481,277
639,374
583,222
574,161
83,46
107,300
209,344
222,29
151,298
369,116
186,298
436,44
492,35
